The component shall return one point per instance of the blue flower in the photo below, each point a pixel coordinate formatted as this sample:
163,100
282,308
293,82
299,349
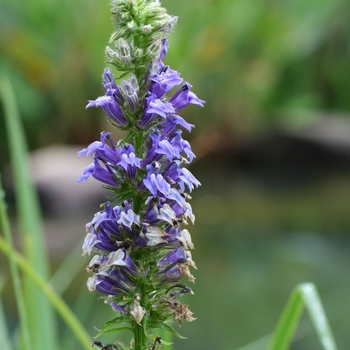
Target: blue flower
142,251
110,102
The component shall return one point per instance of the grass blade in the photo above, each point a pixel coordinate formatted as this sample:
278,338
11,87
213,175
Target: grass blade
41,317
61,307
304,295
257,344
4,334
82,308
288,322
17,284
68,270
317,314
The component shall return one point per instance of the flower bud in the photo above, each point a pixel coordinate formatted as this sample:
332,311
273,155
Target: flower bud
130,89
124,51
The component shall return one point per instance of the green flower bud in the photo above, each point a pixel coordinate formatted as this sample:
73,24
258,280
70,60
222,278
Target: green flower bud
154,49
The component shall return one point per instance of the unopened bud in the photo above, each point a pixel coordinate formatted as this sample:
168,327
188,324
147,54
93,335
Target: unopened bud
124,52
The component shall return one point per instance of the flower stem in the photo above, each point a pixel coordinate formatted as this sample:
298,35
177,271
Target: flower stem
140,336
139,153
139,144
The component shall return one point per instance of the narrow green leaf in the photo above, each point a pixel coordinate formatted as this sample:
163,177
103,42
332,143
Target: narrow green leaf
304,295
41,317
17,284
113,321
113,329
167,338
4,333
288,322
169,329
68,270
317,314
82,309
258,344
112,326
47,290
154,337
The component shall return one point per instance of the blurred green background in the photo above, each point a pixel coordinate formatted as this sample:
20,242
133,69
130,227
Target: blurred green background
273,146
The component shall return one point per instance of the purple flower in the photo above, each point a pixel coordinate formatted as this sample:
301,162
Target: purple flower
129,218
109,82
160,108
155,182
110,102
130,90
111,108
103,174
171,265
184,96
164,81
171,123
164,49
183,145
129,162
137,235
113,273
187,179
110,228
103,149
114,160
164,147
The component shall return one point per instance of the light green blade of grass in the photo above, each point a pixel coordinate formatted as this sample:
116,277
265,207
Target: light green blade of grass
17,283
68,270
6,343
4,334
258,344
288,322
313,304
304,295
42,322
61,307
61,280
82,308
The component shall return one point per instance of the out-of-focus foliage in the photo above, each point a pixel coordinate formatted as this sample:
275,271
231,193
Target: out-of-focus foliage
256,63
53,51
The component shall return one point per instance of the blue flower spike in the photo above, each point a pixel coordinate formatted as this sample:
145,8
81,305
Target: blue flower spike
142,252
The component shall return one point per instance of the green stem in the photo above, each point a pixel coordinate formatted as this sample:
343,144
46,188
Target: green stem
140,336
136,201
140,329
138,144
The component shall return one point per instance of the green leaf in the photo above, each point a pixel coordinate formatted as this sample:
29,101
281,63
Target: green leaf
165,335
112,326
6,343
154,337
82,308
66,273
42,322
318,316
258,344
304,295
17,283
168,328
46,289
113,329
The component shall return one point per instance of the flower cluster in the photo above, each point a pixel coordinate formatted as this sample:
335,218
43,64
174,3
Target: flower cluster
142,248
